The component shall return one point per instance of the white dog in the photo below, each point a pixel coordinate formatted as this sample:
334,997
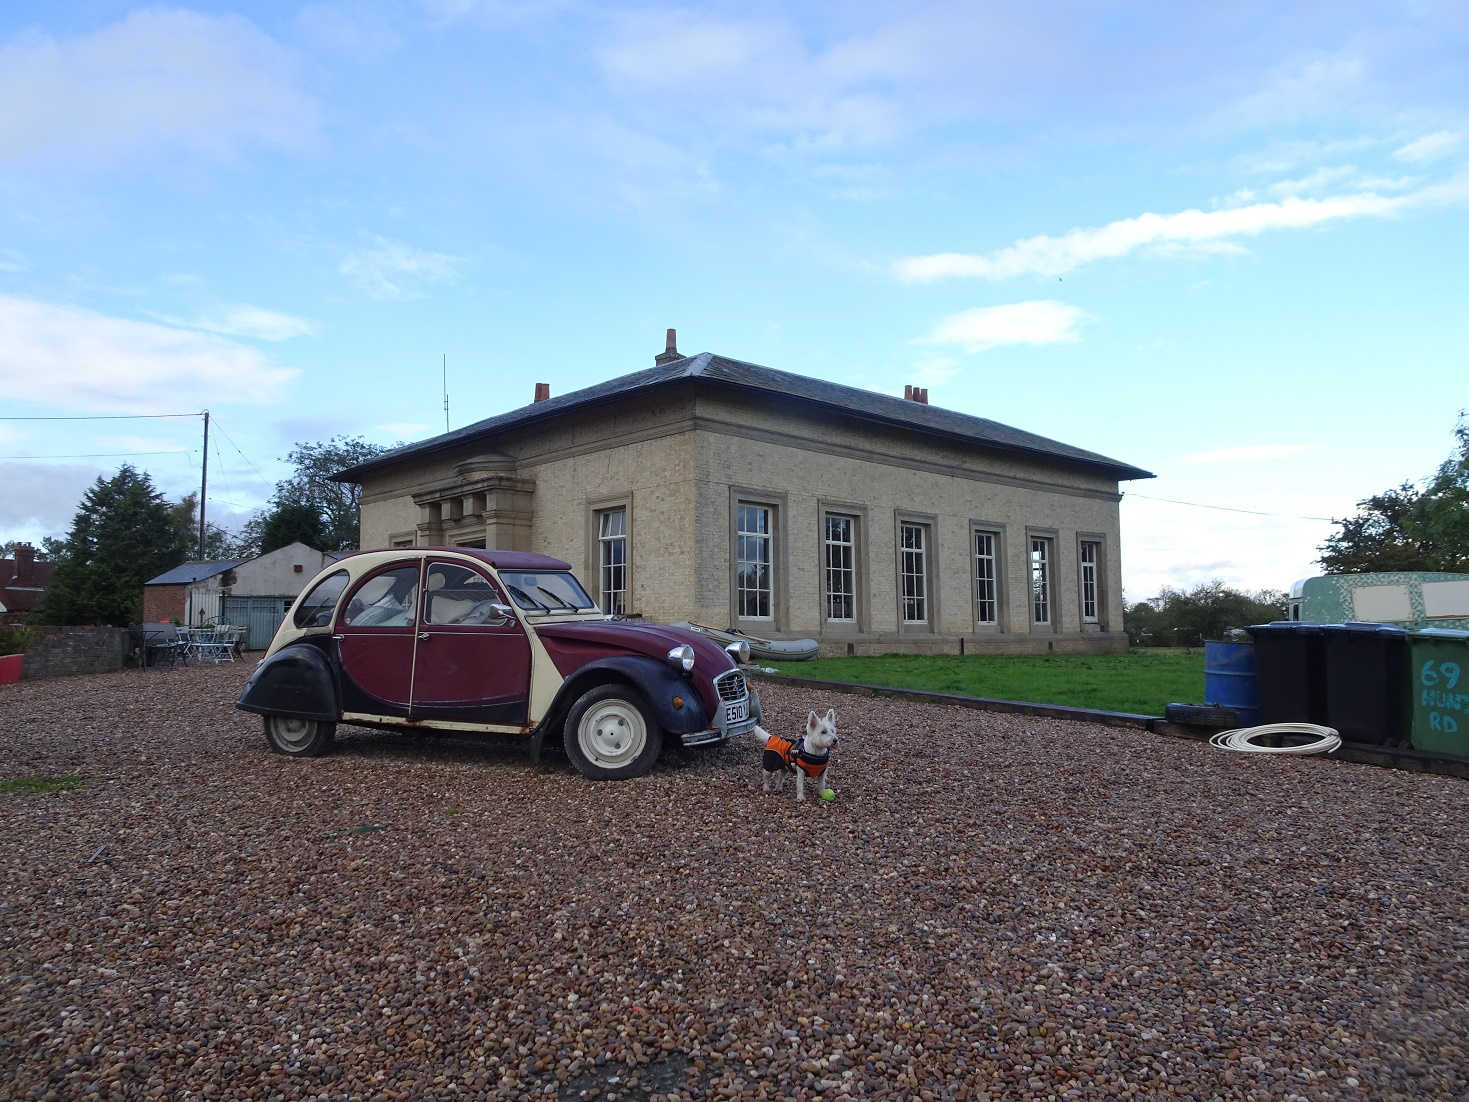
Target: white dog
807,756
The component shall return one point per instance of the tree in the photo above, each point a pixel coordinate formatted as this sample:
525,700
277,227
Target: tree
338,504
290,522
1207,611
123,534
1408,529
218,544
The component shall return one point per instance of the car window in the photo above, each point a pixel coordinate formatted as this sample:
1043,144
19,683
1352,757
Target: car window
458,595
547,590
315,609
385,600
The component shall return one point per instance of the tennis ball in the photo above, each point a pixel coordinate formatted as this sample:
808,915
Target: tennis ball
828,794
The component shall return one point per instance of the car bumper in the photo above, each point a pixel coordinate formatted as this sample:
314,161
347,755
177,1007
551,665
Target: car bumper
723,730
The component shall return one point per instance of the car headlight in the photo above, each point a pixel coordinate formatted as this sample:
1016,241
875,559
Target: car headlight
681,657
739,650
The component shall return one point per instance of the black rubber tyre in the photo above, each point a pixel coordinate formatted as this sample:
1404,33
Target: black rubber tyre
299,738
1202,715
610,735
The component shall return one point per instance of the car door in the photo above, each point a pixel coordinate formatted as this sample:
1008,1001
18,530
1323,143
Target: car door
473,660
375,637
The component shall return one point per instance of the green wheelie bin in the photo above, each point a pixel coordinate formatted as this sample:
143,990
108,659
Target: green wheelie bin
1438,691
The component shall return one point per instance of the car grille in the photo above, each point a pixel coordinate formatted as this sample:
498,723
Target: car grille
730,686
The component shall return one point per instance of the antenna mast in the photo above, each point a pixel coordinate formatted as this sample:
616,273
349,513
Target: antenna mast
446,392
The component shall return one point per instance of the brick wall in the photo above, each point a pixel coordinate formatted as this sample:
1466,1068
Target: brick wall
163,604
55,652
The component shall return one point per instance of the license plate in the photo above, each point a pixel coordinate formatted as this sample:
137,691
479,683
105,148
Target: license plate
737,712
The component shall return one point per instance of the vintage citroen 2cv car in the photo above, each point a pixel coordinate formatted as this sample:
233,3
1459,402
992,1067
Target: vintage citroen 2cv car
459,639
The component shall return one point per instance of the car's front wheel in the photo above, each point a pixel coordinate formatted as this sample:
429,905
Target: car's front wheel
609,734
299,738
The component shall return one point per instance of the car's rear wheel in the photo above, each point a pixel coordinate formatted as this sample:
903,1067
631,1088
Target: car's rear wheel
299,738
609,734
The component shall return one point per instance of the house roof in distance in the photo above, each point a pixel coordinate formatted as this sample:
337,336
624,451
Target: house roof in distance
754,378
189,572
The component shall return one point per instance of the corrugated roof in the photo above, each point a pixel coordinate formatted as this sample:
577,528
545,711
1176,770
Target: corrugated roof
188,572
866,404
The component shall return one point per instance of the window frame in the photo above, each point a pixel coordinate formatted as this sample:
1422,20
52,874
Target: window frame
928,524
996,533
593,571
778,505
610,571
857,514
1053,599
1098,620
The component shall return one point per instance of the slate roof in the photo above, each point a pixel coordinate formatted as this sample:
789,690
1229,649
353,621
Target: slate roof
189,572
720,370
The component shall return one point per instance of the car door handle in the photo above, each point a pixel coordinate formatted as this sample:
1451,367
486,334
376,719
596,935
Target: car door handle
423,635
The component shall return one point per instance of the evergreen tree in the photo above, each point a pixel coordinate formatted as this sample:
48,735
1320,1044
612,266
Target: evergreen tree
291,522
122,535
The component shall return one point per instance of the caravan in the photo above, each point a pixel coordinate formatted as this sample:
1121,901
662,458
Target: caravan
1410,599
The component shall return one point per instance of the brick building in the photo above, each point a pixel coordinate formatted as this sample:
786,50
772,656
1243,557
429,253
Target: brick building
23,581
728,493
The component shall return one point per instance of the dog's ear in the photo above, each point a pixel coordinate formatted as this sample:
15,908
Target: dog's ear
831,716
812,722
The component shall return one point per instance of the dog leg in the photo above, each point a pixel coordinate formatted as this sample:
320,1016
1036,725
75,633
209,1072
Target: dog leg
826,778
800,784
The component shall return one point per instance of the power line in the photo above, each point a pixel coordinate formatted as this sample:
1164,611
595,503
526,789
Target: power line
1229,509
96,455
242,455
107,417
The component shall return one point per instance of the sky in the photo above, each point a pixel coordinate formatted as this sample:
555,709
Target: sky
1221,242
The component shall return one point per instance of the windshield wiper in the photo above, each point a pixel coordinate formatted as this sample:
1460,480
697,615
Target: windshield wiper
562,601
516,591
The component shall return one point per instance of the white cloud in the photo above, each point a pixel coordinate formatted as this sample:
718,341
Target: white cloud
1048,255
252,321
76,359
1245,453
493,12
13,260
1315,85
157,78
1430,147
1037,322
389,269
350,27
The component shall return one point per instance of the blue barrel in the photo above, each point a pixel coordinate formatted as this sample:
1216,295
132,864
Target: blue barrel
1229,679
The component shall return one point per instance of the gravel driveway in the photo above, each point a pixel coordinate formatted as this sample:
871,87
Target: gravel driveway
995,906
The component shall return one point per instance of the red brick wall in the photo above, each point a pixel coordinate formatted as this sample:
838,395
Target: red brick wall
162,603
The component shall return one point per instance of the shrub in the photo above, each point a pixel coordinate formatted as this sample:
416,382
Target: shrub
14,640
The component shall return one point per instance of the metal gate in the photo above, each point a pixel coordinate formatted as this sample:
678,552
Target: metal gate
262,615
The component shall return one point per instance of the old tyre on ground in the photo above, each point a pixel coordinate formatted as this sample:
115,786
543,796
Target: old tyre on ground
610,735
299,738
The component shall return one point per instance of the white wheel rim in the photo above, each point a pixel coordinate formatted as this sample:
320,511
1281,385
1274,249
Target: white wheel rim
291,732
612,734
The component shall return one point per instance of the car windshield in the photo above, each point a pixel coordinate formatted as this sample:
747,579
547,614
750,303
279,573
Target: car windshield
546,591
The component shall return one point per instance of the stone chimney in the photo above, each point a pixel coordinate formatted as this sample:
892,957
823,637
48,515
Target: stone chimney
25,561
543,392
916,393
670,351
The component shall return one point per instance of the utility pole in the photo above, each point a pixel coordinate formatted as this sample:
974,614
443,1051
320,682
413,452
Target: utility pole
446,392
203,485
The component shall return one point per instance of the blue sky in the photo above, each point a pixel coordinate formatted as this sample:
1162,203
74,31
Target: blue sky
1221,242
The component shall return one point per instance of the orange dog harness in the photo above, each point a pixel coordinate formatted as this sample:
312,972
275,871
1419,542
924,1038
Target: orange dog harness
783,753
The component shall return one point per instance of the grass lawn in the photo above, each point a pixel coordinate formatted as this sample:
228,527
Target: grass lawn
1139,681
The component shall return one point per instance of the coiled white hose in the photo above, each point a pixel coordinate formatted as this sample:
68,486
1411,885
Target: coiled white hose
1242,738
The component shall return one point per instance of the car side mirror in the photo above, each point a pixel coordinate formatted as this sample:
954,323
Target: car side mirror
501,610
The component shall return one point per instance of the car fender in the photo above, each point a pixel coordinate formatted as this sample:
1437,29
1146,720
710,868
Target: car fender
294,681
657,681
